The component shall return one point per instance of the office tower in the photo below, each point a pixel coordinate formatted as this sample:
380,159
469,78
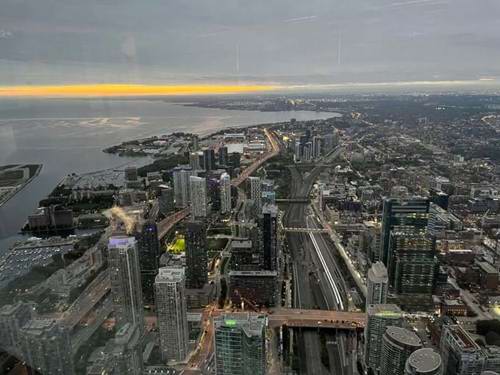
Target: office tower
225,193
235,160
378,284
243,256
439,198
412,262
181,185
172,314
195,141
397,346
46,347
149,259
239,342
166,200
256,192
410,212
425,361
196,255
194,161
223,156
213,187
379,317
317,146
209,159
126,291
131,174
198,191
270,237
254,288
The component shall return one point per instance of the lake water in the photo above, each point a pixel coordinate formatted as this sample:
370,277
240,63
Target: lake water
68,136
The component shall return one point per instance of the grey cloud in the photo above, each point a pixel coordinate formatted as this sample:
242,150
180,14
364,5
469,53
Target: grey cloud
193,39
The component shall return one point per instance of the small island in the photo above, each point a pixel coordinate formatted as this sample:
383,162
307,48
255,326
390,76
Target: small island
14,177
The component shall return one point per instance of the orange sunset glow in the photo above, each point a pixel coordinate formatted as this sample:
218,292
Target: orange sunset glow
100,90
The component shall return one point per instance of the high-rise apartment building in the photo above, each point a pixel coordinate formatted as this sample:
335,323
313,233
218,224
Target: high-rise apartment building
412,212
412,261
397,346
317,146
12,319
46,347
149,259
166,200
126,291
225,193
194,161
270,237
198,192
172,313
209,159
196,255
223,156
377,284
379,317
240,344
255,192
195,143
181,176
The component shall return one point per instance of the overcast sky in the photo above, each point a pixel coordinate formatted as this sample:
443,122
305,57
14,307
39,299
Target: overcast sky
327,41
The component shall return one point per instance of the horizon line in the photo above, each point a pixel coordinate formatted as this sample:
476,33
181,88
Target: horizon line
142,90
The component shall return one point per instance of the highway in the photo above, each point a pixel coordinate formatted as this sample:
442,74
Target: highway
90,297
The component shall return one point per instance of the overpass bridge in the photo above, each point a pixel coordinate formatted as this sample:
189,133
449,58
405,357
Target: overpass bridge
301,318
275,150
304,230
294,200
165,225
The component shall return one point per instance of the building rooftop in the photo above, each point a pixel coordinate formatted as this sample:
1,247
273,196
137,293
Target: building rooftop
384,310
462,337
425,360
403,336
486,267
251,324
170,274
378,273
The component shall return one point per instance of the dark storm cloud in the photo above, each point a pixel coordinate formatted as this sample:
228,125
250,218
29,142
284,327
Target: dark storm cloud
378,40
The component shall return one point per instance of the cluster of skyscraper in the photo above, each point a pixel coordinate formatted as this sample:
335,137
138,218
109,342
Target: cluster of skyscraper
407,260
308,148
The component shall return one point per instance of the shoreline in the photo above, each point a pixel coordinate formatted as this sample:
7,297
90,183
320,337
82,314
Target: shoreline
13,193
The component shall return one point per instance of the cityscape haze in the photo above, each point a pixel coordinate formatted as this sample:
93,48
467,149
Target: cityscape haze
223,187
